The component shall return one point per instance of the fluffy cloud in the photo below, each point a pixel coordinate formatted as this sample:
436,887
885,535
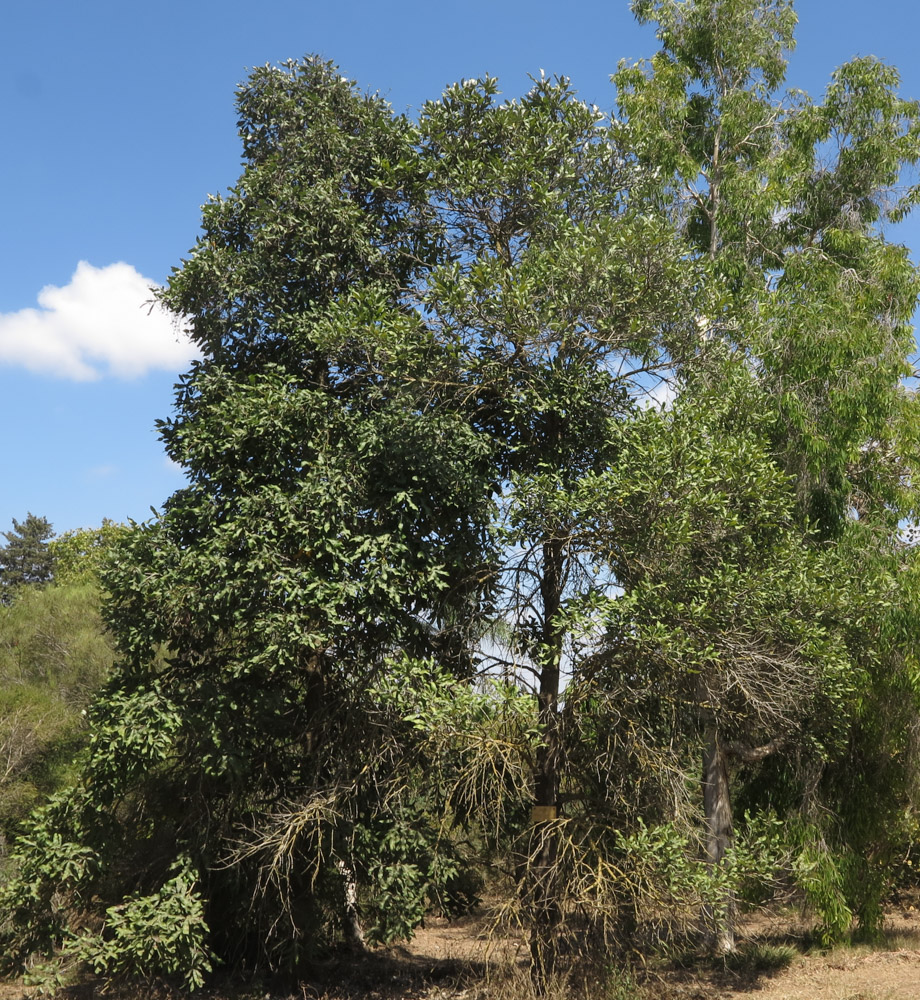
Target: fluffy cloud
99,324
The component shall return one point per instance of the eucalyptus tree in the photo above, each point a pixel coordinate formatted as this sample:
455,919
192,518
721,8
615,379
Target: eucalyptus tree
783,202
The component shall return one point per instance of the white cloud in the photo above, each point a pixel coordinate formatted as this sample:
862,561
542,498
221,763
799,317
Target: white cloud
101,472
662,395
174,467
99,324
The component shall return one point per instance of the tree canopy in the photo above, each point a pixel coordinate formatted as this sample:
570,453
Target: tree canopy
531,460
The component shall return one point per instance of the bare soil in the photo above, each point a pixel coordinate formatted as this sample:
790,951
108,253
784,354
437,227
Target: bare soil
463,960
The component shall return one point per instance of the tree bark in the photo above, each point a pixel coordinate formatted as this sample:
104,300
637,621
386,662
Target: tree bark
718,920
351,922
542,891
752,755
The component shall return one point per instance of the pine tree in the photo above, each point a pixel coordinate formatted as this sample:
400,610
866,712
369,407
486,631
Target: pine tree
26,558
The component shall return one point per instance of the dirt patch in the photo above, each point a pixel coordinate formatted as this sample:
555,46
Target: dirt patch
471,939
470,960
770,966
14,991
878,976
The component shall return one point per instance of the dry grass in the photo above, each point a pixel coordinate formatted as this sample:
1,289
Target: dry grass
472,960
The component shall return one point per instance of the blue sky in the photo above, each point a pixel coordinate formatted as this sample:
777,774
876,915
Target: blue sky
119,121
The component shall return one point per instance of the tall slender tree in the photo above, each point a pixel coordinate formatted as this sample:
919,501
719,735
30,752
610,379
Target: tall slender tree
783,201
560,303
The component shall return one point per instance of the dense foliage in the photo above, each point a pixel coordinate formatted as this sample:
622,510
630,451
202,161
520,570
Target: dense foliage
25,559
534,459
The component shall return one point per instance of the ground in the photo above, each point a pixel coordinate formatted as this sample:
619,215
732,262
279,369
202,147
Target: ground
461,961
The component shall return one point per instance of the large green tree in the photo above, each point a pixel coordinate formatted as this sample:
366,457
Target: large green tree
784,202
335,517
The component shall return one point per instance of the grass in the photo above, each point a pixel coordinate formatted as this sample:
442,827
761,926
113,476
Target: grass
757,958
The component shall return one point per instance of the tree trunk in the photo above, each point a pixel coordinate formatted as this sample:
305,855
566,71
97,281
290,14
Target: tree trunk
543,900
718,920
542,889
351,922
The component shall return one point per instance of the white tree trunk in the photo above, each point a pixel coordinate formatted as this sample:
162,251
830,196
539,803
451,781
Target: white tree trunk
719,921
354,933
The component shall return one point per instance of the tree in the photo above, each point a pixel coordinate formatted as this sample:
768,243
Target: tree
332,521
728,613
81,555
26,558
54,657
783,203
559,302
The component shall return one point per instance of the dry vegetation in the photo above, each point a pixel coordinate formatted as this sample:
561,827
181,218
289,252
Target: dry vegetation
463,960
